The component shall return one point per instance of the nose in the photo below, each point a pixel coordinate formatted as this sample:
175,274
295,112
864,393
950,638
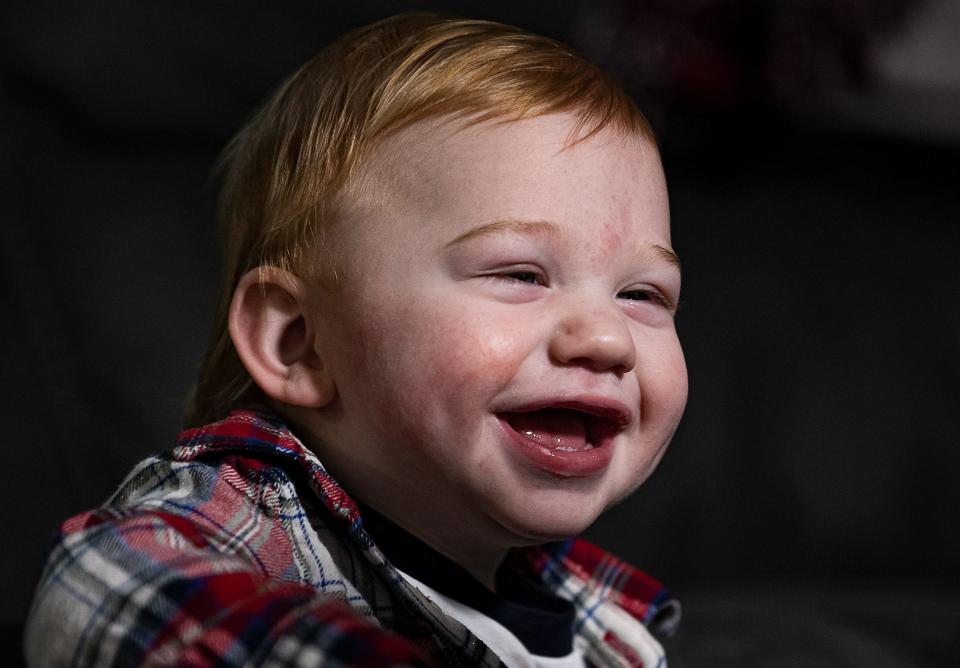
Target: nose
598,338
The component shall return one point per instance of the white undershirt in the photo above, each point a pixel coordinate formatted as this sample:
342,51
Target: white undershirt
495,635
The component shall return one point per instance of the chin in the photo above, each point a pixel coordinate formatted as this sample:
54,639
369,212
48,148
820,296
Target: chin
554,516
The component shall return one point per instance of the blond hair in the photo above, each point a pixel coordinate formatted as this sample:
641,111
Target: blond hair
284,174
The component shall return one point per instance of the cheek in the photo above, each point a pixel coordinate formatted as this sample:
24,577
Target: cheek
471,354
677,370
664,389
664,396
427,353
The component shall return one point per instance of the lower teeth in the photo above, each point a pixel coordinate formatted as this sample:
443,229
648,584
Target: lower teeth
563,448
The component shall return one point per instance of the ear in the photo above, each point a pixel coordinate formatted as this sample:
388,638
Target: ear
272,330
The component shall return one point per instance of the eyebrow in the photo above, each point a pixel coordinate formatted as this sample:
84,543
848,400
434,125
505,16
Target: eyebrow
527,227
548,229
666,254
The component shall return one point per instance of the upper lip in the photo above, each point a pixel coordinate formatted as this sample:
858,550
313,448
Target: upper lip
612,411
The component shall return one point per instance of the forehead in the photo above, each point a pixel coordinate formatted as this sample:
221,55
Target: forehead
450,176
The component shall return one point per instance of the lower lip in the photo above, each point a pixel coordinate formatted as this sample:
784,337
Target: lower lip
562,463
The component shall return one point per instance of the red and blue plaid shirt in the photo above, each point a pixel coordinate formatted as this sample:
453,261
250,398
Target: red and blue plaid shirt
237,548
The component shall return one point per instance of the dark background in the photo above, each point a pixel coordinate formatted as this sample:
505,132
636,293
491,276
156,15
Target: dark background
807,512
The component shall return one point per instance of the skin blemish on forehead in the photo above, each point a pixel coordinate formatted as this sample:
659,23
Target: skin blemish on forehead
610,238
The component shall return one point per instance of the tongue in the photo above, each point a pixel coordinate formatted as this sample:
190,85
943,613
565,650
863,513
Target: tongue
553,428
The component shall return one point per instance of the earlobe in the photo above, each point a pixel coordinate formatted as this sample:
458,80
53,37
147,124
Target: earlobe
272,330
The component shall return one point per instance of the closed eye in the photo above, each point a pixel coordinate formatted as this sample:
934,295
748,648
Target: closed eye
524,277
648,295
528,276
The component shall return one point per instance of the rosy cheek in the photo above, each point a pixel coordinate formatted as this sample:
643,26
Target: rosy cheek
443,358
678,371
663,380
673,391
472,354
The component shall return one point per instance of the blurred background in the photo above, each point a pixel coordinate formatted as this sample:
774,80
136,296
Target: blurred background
808,512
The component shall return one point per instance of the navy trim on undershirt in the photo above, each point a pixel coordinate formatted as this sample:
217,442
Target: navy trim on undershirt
542,621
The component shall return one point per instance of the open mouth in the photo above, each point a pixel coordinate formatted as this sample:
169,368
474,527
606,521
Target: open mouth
566,429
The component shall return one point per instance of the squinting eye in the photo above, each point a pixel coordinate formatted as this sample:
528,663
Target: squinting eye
524,277
648,296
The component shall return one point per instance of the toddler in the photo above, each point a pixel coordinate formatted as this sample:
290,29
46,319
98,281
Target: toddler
446,344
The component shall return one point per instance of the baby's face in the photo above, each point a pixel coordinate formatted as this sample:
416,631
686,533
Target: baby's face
504,350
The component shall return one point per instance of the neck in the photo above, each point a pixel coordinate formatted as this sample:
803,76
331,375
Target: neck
484,571
478,560
405,546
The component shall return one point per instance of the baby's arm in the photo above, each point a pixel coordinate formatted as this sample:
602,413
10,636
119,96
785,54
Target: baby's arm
161,583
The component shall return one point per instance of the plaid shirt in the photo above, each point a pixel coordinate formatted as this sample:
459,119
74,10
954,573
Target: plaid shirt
237,548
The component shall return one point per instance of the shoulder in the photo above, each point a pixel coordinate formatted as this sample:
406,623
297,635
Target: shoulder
209,543
244,469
